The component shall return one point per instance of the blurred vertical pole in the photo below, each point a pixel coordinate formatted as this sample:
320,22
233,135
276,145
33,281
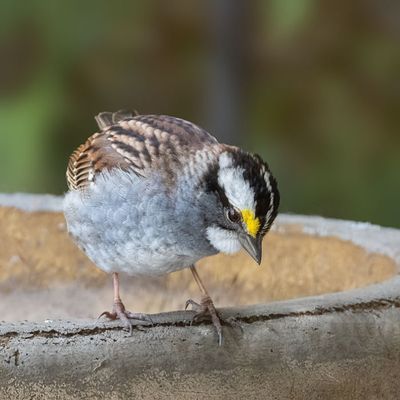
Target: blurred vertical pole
227,55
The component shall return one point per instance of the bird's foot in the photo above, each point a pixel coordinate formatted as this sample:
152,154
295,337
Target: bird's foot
119,312
206,309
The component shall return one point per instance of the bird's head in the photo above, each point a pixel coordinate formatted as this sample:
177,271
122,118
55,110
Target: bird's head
247,199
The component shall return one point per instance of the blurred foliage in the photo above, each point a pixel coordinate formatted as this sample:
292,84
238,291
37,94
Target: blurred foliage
313,86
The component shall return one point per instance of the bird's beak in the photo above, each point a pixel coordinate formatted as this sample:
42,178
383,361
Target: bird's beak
252,245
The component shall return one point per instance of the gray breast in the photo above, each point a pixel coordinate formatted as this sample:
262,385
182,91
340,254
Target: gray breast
125,223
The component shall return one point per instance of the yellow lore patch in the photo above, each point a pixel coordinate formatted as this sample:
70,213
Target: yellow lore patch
252,223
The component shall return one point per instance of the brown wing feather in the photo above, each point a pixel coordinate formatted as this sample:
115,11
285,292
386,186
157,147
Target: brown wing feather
95,155
138,143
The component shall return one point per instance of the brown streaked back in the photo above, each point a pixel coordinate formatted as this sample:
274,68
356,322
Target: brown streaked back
138,143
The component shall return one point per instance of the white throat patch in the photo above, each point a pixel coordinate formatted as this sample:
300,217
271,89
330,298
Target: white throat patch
237,190
223,240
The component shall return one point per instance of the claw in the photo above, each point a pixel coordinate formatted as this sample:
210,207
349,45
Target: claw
107,314
204,309
195,306
119,312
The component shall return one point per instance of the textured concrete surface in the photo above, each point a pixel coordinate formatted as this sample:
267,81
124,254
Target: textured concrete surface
343,345
290,350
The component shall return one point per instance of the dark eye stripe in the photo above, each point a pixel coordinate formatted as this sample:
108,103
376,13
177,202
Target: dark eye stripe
222,197
211,179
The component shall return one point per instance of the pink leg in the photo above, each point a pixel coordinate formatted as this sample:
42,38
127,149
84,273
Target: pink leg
206,306
119,311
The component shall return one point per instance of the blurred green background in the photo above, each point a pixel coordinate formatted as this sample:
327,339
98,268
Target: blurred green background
313,86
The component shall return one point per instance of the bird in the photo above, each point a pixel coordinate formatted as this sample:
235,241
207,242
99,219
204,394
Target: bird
153,194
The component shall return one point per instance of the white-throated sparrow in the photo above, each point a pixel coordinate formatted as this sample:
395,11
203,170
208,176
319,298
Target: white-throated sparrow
152,194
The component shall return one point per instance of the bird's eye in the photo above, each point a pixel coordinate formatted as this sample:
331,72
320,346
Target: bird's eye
233,215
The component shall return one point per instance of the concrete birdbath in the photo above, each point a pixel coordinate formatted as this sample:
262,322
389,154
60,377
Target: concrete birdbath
319,319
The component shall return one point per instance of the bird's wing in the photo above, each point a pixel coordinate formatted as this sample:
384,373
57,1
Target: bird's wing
140,143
